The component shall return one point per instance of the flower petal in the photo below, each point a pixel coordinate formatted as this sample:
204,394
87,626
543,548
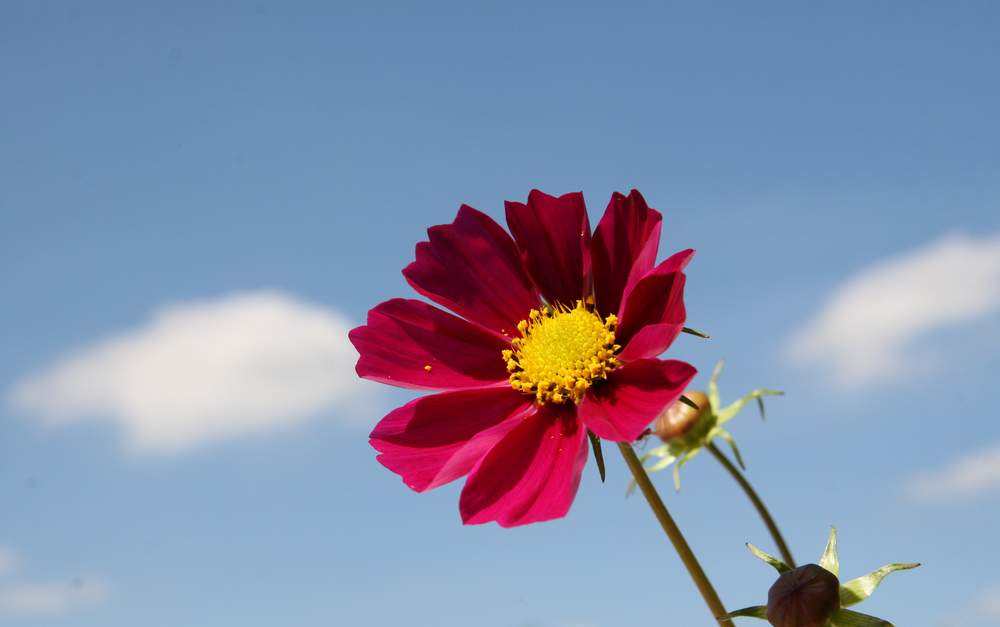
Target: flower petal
439,438
624,248
411,344
531,475
553,235
472,267
653,313
633,396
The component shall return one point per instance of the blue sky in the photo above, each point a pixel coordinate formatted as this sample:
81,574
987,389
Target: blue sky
833,165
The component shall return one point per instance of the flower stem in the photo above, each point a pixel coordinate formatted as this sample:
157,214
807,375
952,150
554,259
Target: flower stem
674,533
772,527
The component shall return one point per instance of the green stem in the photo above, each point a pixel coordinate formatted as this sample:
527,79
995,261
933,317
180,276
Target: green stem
674,533
772,527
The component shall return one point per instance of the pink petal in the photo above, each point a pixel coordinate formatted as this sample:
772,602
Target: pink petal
439,438
624,249
653,313
531,475
472,267
553,235
633,396
404,336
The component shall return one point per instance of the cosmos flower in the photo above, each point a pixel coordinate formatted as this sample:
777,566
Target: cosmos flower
686,431
812,595
555,334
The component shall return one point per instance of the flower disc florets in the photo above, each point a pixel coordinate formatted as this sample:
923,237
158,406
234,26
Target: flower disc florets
561,352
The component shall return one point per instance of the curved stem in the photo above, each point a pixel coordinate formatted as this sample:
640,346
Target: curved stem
772,527
674,533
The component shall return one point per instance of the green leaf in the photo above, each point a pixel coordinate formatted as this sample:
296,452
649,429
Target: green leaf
595,444
757,611
713,386
778,565
727,414
829,560
847,618
696,332
859,589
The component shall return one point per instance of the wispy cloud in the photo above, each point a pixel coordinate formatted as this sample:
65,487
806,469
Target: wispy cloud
966,476
26,598
202,371
8,560
51,598
984,611
863,330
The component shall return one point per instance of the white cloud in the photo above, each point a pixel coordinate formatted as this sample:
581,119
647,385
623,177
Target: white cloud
203,371
984,611
966,476
8,560
863,330
24,598
988,603
51,598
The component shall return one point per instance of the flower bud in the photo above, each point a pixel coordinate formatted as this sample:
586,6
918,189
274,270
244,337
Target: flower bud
679,418
804,597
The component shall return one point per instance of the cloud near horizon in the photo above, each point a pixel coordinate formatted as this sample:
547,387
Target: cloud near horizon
864,329
967,476
202,371
22,598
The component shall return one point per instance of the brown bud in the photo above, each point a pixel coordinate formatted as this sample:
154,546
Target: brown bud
677,419
805,597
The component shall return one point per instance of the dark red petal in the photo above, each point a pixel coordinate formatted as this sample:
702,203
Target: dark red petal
553,235
621,408
624,248
532,474
653,313
439,438
404,336
472,267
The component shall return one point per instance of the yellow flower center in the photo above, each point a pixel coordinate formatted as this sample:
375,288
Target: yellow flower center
561,352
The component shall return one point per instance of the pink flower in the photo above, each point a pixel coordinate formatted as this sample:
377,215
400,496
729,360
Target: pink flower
556,333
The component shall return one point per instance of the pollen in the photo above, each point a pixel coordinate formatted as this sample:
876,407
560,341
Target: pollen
561,353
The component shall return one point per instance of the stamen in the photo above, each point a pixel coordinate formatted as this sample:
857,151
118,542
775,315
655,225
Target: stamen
561,352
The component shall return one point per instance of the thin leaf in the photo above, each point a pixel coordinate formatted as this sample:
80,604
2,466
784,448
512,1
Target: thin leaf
595,444
696,332
728,437
829,560
778,565
713,386
859,589
848,618
730,411
757,611
760,408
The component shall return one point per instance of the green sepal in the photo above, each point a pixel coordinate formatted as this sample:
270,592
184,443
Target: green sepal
730,411
728,437
683,459
848,618
696,332
595,444
757,611
778,565
860,588
829,560
713,386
